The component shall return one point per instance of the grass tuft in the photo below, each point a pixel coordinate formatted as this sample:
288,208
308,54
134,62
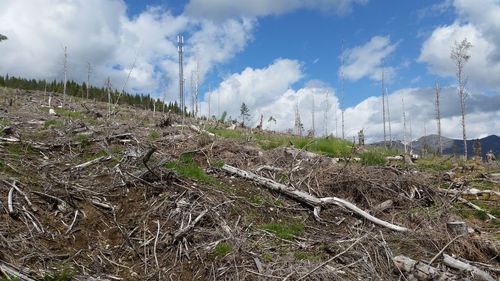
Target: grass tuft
222,249
283,230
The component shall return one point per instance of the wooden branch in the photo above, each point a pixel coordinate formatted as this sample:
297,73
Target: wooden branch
72,223
183,231
61,204
444,248
21,192
307,198
91,162
11,271
454,263
10,204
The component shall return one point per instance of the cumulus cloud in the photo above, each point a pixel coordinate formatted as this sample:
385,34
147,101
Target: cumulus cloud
366,60
268,91
220,9
100,32
481,114
478,21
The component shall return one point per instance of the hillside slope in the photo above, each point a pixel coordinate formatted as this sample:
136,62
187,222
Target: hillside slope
142,196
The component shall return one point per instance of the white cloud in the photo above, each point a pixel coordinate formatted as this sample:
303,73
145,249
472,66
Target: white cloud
100,32
481,114
268,91
220,9
366,60
478,22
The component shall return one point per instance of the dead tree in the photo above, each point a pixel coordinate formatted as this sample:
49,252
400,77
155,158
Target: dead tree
325,116
342,106
88,79
383,108
389,119
312,113
438,120
65,72
460,55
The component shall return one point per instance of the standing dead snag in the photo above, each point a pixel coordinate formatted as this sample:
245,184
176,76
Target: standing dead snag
460,55
308,199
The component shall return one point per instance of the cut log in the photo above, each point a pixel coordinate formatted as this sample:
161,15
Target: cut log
457,228
460,265
308,199
420,270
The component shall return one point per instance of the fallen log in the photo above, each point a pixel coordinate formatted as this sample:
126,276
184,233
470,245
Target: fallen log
420,270
460,265
308,199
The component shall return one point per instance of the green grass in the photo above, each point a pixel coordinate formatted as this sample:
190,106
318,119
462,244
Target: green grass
17,150
186,167
52,122
222,249
257,200
482,185
285,231
68,113
327,146
434,164
374,157
306,256
84,139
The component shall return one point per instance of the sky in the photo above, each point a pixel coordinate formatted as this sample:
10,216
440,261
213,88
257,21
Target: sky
275,56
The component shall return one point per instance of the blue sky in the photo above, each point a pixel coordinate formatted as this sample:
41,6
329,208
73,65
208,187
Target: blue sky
273,55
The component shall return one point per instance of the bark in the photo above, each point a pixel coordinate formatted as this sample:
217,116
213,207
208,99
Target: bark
309,199
476,272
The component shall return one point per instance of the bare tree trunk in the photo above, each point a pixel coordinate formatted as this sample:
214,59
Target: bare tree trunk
438,119
65,72
383,108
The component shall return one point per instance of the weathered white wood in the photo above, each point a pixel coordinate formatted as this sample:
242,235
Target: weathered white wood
460,265
387,204
457,228
12,272
309,199
10,204
92,162
419,270
183,231
348,205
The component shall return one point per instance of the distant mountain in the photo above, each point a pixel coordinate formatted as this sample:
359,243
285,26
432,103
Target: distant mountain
450,146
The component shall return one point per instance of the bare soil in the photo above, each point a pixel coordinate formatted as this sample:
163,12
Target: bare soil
117,219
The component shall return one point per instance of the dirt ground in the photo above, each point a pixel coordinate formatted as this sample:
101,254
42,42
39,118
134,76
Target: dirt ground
156,204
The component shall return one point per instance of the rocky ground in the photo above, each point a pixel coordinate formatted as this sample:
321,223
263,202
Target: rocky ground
140,195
